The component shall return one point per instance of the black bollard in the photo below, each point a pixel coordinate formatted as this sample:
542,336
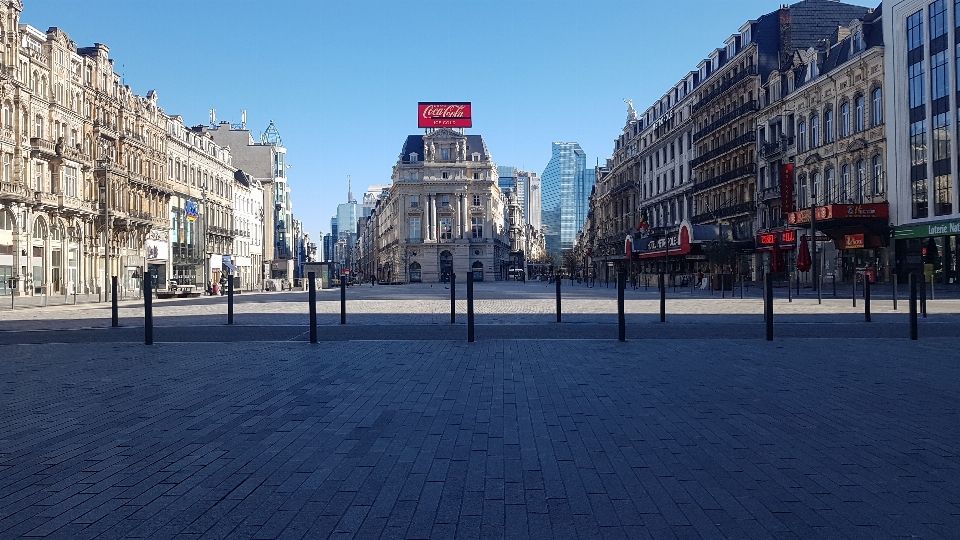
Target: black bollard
113,303
663,299
470,306
768,303
558,297
913,307
834,284
854,290
621,319
453,298
147,309
894,292
923,294
312,298
866,298
229,299
343,299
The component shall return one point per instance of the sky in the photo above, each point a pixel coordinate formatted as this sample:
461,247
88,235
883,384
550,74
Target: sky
341,79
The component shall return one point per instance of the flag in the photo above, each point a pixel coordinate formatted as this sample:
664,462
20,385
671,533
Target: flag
643,225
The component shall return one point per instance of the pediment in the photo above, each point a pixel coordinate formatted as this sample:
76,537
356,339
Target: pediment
812,158
444,133
857,144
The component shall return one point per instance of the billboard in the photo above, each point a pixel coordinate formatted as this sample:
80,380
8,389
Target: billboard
446,114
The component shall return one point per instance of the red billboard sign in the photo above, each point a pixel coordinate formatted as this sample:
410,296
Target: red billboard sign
786,188
434,115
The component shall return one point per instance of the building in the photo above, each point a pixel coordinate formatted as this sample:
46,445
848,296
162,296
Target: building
266,161
529,191
821,140
248,230
920,108
565,190
83,182
444,213
201,207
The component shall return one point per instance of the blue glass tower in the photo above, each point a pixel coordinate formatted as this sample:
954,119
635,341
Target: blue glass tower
565,186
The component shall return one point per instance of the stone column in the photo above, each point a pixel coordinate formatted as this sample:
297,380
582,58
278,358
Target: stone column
433,217
464,214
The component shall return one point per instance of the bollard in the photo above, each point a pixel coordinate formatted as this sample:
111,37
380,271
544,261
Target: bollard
230,300
114,309
789,287
147,309
312,298
923,295
453,298
866,298
13,297
343,300
913,307
741,284
854,290
470,335
558,297
768,303
621,320
834,276
663,299
894,292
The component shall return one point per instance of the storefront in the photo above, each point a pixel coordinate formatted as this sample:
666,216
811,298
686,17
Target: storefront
860,234
930,248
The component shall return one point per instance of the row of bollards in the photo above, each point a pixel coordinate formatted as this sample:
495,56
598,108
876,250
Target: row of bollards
917,304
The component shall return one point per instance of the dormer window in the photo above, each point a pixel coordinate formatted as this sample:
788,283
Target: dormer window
476,156
857,42
414,157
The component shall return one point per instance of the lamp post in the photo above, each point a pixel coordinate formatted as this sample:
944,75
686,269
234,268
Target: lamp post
813,235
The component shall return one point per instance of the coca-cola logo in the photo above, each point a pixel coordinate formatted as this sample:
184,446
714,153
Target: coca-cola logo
444,111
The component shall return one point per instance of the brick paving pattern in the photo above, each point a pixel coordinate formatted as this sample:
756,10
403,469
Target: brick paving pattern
733,437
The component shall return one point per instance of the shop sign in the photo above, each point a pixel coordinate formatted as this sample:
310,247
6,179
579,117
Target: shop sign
785,237
840,211
434,115
923,231
786,187
853,241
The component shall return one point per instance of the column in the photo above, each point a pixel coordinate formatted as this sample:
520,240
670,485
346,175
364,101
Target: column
460,210
433,217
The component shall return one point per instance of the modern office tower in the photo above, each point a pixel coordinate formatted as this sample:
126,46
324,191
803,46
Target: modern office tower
566,183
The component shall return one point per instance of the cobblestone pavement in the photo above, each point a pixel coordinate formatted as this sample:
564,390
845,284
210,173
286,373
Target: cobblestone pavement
397,428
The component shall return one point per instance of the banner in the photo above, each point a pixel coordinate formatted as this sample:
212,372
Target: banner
786,189
434,115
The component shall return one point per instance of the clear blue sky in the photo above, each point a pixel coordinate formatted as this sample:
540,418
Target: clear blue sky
341,79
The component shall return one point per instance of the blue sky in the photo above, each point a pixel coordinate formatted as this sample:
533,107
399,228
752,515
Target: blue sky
341,79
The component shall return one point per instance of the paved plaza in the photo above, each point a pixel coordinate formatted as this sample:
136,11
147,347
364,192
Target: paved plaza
395,427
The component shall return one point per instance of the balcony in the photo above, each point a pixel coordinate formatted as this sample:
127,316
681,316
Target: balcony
746,170
723,87
769,194
48,199
105,129
42,148
747,138
773,149
749,106
749,207
13,190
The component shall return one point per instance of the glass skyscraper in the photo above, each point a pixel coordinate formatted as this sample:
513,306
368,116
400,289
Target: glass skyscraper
566,184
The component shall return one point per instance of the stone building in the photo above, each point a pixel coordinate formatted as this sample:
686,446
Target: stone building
444,212
821,139
83,181
248,229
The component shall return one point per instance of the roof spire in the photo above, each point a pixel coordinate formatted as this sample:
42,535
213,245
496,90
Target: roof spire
350,198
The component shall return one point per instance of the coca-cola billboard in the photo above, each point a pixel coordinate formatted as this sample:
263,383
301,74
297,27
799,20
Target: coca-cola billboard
434,115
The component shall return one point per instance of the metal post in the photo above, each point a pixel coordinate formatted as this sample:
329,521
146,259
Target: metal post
621,319
470,336
147,309
768,303
343,299
453,298
663,300
312,298
854,289
229,299
557,280
834,283
114,316
913,307
923,295
789,286
866,298
894,291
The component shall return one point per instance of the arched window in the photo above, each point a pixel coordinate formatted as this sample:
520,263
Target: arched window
7,168
877,100
477,271
877,175
814,131
844,185
828,126
831,187
818,187
802,136
415,273
38,127
844,126
56,233
39,230
861,181
860,114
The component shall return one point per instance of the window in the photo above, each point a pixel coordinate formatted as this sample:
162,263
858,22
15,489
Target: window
814,131
6,221
414,201
69,180
445,154
476,200
844,196
939,82
861,181
860,123
802,137
830,196
443,175
818,188
415,228
844,119
877,175
38,127
7,168
878,106
802,199
828,126
476,176
446,228
444,201
476,227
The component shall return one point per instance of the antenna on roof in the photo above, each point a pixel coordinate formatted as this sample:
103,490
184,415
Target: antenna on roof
213,117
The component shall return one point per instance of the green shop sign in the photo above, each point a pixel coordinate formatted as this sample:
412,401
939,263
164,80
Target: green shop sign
930,229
